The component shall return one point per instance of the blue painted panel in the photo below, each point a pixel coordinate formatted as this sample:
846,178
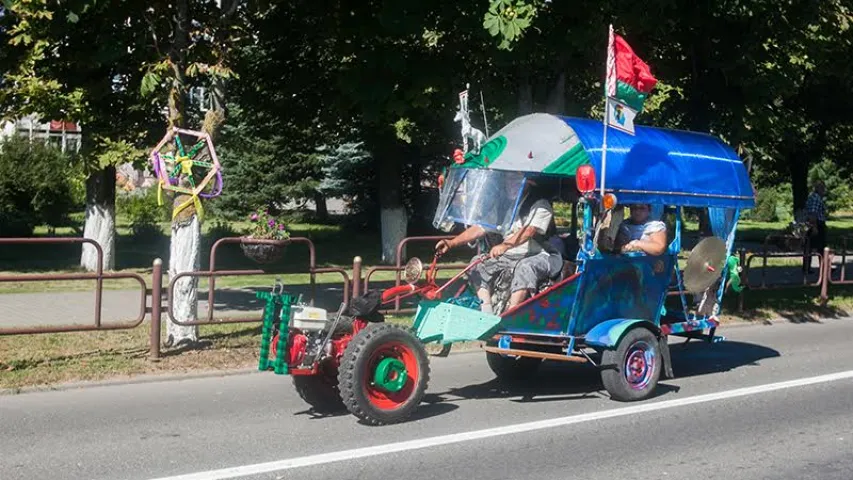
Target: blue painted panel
617,286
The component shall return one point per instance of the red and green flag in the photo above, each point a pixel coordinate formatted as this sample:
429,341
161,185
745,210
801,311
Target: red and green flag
629,79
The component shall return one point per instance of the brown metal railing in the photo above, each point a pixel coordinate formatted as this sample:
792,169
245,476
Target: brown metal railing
98,276
212,274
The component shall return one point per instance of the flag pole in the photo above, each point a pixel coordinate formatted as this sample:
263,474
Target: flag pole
610,87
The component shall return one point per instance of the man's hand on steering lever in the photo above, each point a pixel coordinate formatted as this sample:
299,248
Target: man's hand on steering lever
499,250
472,233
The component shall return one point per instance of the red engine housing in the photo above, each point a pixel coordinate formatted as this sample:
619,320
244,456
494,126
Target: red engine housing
298,342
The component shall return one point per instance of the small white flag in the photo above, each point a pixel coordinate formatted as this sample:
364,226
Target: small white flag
620,116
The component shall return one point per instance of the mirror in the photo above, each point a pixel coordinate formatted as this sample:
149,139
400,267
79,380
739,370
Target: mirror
413,270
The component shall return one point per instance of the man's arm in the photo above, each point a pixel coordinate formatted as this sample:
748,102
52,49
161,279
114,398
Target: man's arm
539,221
470,234
655,245
514,240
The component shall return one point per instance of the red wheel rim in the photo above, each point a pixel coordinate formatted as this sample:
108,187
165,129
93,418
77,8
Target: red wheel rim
380,398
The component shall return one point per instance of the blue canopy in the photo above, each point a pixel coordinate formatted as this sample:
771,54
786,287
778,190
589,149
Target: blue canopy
670,167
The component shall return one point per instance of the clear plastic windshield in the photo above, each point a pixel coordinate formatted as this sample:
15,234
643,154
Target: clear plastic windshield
488,198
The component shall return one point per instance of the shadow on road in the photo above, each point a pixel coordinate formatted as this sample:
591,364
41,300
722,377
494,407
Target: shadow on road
700,358
557,381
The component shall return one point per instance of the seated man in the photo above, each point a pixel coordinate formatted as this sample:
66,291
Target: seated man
639,234
524,248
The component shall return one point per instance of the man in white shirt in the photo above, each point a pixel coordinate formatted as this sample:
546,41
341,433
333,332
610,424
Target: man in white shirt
523,249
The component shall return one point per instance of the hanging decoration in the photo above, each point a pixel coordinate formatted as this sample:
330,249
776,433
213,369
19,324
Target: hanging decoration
195,173
468,132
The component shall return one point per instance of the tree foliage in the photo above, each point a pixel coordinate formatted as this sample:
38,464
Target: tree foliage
36,186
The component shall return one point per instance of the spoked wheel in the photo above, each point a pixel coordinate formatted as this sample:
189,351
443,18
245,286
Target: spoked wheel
383,374
633,368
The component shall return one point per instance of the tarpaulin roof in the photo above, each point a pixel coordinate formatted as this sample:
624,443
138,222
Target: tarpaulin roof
655,165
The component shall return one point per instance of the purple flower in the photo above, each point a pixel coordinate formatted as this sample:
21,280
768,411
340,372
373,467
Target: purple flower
281,227
271,223
254,216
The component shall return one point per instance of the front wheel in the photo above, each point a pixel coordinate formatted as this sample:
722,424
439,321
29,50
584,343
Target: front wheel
632,370
383,374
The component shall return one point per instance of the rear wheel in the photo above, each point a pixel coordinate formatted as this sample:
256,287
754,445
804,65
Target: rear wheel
320,391
511,369
632,370
383,374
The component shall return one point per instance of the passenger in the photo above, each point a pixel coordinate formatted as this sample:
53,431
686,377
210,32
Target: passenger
524,249
639,234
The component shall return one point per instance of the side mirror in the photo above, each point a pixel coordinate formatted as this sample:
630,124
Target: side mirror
413,270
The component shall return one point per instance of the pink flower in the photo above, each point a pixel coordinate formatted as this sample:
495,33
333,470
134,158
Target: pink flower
254,216
281,227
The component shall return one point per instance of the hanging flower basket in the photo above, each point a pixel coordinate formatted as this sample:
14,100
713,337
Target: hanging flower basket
262,252
267,228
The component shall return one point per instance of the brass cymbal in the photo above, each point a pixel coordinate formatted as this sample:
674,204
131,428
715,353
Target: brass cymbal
705,264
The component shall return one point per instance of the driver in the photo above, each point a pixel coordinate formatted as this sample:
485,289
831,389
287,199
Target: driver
523,248
639,234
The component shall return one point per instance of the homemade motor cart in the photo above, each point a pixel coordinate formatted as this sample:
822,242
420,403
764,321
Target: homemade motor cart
605,308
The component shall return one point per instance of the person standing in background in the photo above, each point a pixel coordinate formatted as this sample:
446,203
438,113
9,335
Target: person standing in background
816,218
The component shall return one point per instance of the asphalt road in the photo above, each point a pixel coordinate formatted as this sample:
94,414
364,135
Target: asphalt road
725,416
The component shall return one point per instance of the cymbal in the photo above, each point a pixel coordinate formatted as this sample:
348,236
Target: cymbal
705,264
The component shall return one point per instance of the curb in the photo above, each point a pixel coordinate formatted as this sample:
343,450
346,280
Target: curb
134,380
432,350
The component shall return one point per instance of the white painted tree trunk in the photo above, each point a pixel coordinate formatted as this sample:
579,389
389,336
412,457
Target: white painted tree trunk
557,98
394,223
184,256
100,227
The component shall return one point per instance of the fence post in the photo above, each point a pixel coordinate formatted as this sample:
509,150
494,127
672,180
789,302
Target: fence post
826,268
156,308
356,277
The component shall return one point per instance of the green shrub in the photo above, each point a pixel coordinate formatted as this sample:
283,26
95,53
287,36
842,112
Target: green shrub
37,186
765,206
220,228
141,209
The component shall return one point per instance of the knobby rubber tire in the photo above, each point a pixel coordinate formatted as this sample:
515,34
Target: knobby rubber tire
613,361
353,374
510,369
320,391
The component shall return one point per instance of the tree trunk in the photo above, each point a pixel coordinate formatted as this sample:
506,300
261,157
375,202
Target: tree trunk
184,255
557,97
393,217
525,94
322,211
184,249
100,219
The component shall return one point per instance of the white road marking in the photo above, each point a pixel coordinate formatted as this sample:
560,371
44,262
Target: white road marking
323,458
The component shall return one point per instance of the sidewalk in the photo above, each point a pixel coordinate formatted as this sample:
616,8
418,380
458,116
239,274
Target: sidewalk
123,306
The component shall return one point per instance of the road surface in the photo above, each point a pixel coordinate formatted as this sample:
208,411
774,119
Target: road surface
726,416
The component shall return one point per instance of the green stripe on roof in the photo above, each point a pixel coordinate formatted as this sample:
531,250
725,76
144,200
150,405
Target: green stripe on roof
569,162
